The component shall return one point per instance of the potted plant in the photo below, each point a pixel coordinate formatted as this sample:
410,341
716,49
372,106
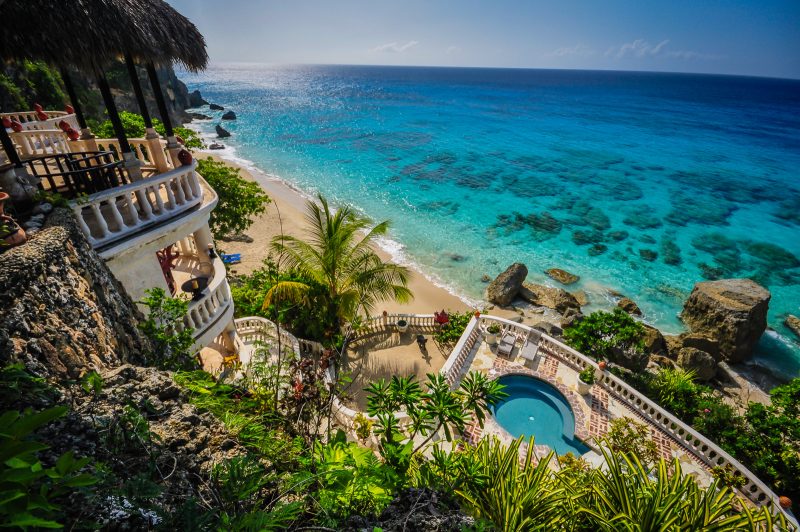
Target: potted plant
585,380
402,325
491,333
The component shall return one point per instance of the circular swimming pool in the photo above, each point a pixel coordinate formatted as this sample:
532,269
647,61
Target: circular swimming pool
535,408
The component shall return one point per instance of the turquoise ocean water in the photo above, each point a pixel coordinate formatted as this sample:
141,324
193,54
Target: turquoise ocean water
638,182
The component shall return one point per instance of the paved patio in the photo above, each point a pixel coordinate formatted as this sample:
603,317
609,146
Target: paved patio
593,412
383,356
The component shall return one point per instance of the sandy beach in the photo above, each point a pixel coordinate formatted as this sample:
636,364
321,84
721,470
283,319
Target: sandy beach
286,214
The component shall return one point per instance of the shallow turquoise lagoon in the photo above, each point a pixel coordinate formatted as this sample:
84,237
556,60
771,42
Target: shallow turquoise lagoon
642,183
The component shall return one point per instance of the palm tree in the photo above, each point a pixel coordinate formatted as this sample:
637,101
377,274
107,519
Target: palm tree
339,255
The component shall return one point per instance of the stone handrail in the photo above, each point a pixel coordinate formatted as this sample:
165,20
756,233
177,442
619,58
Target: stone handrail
382,324
256,328
122,211
704,449
215,300
29,120
454,365
36,142
140,146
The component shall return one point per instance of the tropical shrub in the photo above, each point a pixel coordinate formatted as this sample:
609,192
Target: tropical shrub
602,335
338,254
240,200
629,437
448,334
587,375
164,326
29,489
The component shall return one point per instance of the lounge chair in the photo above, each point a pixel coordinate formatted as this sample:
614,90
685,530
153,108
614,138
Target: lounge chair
233,258
506,344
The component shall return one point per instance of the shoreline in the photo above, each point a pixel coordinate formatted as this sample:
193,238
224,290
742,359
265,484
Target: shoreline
287,211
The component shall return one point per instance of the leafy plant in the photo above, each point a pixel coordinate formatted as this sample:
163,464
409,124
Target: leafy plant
587,375
362,426
172,341
28,489
629,437
494,328
240,200
608,335
448,334
339,255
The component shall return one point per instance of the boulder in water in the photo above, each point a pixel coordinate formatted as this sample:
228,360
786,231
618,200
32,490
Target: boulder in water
229,115
222,132
731,311
793,322
557,299
506,286
215,107
627,304
196,99
562,276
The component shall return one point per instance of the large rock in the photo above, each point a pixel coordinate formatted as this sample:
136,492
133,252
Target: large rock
562,276
631,360
229,115
731,311
222,132
793,322
557,299
627,304
702,363
701,342
654,342
215,107
196,99
506,286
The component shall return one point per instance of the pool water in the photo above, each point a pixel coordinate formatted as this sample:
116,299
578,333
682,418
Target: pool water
535,408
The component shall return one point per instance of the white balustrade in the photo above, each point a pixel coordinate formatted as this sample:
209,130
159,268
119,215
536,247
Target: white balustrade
116,213
257,329
36,142
29,120
214,301
139,146
700,446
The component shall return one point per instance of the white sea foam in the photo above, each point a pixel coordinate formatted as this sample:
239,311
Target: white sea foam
395,250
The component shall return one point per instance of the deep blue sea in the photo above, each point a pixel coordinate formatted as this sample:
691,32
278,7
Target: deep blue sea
642,183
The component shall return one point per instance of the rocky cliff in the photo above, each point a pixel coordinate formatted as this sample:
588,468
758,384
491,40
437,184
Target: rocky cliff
63,311
22,85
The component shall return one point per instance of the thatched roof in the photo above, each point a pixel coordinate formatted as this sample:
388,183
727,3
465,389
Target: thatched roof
92,33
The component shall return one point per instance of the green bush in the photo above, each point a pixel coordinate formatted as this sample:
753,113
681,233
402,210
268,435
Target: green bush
448,334
172,341
240,200
600,334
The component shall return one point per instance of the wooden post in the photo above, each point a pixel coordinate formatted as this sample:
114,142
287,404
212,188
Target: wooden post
8,146
73,98
172,142
153,140
132,165
137,91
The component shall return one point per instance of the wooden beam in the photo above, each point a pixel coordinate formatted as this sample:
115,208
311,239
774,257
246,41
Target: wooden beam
8,147
162,106
73,98
137,90
113,115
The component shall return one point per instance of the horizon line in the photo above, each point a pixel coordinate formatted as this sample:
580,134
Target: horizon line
483,67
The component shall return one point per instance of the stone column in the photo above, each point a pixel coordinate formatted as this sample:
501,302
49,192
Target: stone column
229,337
157,151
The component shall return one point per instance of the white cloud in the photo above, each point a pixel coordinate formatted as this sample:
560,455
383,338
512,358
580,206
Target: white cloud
641,48
578,49
453,50
395,47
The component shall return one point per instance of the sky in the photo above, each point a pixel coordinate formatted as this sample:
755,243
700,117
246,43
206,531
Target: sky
745,37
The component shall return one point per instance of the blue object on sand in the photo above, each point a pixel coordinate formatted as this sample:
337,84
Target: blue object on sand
233,258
